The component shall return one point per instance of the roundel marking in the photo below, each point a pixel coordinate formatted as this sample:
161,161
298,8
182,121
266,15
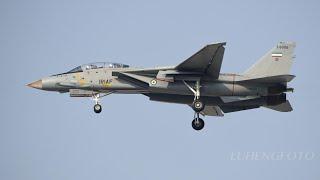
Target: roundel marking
153,82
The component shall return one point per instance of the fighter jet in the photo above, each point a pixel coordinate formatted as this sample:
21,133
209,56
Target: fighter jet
196,82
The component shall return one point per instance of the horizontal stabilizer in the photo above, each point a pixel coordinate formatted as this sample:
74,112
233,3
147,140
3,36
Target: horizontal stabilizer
231,108
270,79
284,107
211,111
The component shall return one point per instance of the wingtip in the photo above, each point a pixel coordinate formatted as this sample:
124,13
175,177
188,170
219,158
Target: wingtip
221,43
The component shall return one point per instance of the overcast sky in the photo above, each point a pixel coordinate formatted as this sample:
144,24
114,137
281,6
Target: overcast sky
46,135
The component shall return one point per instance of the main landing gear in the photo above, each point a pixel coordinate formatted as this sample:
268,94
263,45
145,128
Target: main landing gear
97,108
197,123
197,106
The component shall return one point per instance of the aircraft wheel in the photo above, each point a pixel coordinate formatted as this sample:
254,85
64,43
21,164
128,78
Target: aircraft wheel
197,124
198,106
97,108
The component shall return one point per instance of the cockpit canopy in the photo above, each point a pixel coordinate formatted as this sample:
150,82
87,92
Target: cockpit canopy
97,65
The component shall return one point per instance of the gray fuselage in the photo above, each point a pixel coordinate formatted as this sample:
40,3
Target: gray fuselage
101,80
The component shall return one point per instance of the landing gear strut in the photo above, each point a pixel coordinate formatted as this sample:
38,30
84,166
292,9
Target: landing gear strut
197,106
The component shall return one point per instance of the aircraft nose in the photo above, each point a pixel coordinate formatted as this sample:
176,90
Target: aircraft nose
36,84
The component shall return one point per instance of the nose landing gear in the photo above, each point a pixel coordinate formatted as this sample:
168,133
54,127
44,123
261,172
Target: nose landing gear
97,108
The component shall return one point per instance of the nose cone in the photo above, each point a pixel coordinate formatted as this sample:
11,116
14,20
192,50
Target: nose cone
36,84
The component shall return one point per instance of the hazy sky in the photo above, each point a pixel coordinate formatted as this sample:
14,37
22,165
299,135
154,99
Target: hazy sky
51,136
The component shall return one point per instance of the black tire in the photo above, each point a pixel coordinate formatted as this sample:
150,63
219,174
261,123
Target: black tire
97,108
197,125
198,106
